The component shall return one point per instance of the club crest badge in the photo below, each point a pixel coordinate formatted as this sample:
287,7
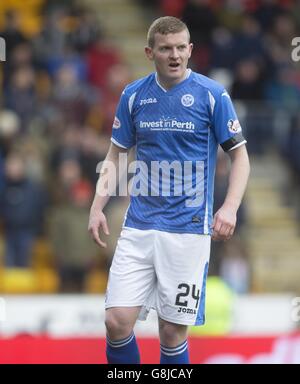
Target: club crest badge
187,100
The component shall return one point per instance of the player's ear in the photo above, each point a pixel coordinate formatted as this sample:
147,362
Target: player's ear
149,53
191,45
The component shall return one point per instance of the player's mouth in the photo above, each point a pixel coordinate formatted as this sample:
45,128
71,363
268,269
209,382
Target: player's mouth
174,66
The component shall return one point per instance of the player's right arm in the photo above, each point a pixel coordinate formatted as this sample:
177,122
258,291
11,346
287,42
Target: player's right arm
123,138
106,186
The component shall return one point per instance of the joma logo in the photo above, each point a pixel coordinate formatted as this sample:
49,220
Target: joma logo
187,310
151,100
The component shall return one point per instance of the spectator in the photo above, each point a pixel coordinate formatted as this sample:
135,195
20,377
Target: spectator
22,208
283,91
51,40
222,51
199,16
66,148
248,41
278,42
71,59
92,150
101,56
116,79
75,254
267,12
172,7
248,82
201,19
72,97
86,31
21,95
9,130
20,56
12,33
67,175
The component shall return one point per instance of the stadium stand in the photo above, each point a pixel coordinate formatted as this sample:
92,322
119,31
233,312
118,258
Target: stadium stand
67,62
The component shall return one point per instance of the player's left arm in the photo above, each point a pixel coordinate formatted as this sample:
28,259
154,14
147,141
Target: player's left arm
224,221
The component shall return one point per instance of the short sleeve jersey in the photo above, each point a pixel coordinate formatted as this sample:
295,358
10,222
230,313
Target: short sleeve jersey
176,133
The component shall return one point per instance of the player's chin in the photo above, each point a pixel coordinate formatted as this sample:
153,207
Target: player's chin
175,71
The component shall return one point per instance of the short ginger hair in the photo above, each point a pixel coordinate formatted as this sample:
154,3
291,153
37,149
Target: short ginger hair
164,26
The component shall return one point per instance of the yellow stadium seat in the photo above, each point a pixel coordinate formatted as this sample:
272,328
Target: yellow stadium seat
29,12
96,282
42,254
18,280
31,25
28,281
47,280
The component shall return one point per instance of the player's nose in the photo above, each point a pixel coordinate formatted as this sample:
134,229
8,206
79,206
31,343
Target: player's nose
174,53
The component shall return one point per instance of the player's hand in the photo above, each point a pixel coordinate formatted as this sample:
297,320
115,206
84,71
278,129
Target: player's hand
223,224
97,220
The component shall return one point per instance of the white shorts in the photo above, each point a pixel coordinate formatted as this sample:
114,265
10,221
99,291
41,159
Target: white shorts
160,270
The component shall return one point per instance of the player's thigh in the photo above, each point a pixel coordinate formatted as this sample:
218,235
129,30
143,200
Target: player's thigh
132,275
181,265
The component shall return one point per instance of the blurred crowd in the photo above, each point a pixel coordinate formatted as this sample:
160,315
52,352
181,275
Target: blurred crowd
58,95
59,90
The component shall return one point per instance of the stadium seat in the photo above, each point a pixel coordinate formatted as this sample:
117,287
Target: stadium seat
42,256
28,281
47,280
18,280
29,11
96,282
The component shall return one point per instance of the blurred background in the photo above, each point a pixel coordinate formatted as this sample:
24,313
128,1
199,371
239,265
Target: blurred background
67,63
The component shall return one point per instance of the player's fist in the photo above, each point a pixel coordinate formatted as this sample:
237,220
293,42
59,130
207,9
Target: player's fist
223,224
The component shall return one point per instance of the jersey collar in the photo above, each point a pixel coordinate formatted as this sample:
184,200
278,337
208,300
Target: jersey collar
187,75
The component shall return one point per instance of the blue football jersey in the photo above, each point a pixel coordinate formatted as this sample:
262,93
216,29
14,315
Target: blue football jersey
176,133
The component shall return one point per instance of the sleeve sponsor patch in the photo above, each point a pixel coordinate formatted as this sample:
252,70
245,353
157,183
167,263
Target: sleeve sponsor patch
117,123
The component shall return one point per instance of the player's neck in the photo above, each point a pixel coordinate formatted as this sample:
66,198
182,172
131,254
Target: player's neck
167,84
